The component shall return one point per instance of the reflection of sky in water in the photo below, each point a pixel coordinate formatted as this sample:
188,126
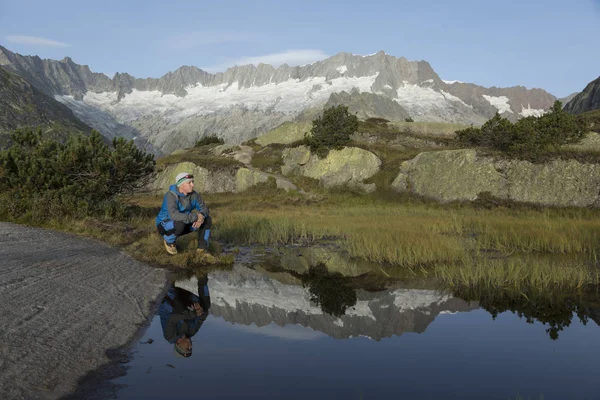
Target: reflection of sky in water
465,355
289,332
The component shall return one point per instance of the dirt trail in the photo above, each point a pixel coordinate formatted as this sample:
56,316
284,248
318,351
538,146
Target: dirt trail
66,305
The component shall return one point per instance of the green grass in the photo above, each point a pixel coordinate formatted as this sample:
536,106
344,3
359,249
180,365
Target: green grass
408,233
442,129
459,244
268,159
521,271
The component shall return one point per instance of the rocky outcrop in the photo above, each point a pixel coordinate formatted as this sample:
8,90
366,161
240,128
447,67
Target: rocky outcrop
288,132
587,100
205,181
347,167
52,336
219,181
368,105
462,175
249,177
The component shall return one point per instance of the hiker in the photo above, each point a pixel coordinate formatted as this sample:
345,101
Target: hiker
176,217
182,313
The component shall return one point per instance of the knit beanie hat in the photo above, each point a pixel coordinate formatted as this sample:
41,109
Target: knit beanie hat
182,178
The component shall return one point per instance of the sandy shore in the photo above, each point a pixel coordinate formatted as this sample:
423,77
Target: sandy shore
69,306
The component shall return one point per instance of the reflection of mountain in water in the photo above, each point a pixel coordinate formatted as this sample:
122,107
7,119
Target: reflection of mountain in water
244,296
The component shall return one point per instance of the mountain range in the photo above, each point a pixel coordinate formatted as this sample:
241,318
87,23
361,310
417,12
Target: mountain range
22,105
246,297
174,111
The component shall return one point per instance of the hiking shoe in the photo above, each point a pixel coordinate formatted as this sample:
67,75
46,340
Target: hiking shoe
171,248
206,256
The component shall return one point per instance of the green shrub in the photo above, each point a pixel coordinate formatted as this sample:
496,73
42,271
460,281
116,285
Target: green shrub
332,130
409,119
80,177
592,119
530,135
209,140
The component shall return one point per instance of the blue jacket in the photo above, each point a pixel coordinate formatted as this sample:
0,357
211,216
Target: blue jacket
177,206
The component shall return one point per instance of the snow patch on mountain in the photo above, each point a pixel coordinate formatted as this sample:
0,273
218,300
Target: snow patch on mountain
451,82
101,120
342,69
289,96
451,97
421,101
500,102
531,112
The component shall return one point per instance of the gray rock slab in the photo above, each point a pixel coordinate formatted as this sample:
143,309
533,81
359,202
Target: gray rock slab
66,305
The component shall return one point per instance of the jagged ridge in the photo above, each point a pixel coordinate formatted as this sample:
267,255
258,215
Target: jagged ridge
246,101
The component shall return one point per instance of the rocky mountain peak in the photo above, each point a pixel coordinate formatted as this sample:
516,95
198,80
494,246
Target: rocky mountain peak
247,100
587,100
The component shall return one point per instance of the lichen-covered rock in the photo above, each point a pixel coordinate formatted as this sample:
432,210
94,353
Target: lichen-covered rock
246,178
349,166
288,132
560,182
293,159
449,175
462,175
205,181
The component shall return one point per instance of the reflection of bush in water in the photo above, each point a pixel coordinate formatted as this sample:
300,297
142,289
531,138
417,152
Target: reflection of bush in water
554,309
329,291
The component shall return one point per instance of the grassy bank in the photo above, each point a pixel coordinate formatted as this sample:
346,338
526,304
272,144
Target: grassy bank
462,244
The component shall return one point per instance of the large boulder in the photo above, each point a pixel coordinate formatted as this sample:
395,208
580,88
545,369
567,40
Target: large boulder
347,167
462,175
246,178
218,181
205,181
288,132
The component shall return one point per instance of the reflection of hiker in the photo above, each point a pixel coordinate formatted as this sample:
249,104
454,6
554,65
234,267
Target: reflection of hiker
182,313
176,218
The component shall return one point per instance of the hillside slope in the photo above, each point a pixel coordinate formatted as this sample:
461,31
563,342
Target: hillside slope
587,100
22,105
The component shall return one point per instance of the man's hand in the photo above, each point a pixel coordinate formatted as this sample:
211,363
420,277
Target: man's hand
198,308
199,222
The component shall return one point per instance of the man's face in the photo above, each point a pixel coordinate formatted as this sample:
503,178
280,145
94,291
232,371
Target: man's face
186,187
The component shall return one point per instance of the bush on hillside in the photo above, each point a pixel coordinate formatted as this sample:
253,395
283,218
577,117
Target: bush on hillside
592,118
209,140
332,130
81,176
528,136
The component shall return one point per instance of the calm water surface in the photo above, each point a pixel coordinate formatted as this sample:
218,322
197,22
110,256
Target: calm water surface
264,338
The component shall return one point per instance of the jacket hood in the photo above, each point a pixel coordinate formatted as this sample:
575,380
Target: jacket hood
173,188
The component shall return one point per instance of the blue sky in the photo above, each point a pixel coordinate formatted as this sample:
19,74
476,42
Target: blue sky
546,44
